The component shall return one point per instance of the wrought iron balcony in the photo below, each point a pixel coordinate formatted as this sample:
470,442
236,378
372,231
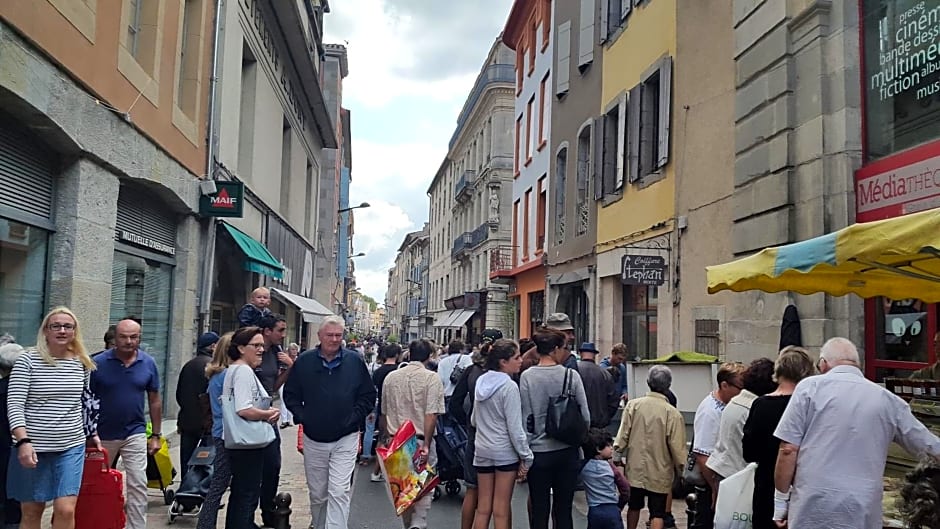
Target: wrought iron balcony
462,245
462,187
479,235
502,261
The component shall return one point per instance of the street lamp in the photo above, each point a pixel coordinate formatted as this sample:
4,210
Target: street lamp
360,254
363,205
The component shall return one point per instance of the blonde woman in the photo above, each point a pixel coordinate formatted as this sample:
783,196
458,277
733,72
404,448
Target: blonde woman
221,471
49,442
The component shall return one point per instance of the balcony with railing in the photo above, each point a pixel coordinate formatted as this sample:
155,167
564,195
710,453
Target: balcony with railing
502,261
462,187
462,245
479,235
493,74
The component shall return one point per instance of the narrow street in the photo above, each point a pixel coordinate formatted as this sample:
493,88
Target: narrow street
371,508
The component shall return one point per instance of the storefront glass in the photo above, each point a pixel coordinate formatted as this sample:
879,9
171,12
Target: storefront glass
23,254
902,74
141,290
639,320
903,337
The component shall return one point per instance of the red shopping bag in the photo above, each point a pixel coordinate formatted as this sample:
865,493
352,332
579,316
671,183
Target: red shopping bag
408,479
101,498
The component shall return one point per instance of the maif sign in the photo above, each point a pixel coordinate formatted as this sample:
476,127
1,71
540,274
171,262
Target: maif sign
227,201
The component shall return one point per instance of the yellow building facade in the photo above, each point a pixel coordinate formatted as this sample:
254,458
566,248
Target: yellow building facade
635,178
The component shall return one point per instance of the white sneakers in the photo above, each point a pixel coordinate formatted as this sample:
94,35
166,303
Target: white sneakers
376,477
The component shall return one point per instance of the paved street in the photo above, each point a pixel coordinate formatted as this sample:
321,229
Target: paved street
371,508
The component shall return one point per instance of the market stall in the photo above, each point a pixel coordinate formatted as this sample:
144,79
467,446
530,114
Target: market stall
897,259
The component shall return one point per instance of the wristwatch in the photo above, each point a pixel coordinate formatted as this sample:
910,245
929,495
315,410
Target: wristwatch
155,434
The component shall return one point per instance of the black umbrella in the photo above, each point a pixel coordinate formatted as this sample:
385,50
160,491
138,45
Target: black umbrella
790,331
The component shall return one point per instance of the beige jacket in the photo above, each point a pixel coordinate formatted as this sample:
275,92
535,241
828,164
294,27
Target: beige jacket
652,437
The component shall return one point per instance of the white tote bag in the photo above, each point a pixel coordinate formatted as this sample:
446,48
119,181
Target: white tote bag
735,500
239,433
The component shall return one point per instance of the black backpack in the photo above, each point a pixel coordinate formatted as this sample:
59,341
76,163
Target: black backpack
457,372
564,421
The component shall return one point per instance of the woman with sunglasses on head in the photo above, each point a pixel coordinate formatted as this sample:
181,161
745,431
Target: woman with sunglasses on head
245,354
49,440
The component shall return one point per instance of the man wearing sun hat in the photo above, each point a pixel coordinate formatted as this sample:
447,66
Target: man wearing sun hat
599,388
559,321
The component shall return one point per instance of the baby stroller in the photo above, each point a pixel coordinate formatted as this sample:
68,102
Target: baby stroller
451,443
193,489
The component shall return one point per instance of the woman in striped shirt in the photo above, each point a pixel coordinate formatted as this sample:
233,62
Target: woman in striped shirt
45,410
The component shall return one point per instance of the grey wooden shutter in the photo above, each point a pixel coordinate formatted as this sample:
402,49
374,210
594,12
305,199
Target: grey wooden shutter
597,136
586,39
605,17
563,61
625,7
633,133
27,171
621,141
665,102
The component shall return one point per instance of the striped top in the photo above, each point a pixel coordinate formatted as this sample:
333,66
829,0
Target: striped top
47,400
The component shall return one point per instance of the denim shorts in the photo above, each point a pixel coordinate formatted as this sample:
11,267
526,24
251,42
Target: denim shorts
57,474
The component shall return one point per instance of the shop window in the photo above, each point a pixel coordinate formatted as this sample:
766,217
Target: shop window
23,252
141,289
536,311
573,301
639,320
903,337
902,74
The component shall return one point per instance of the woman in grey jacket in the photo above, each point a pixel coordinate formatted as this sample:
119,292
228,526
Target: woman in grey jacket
555,470
502,450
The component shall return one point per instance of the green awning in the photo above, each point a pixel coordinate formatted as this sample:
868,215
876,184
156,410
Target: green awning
257,257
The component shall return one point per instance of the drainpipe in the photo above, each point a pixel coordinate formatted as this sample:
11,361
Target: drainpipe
208,269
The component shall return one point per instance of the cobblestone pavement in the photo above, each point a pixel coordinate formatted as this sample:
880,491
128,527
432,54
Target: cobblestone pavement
370,507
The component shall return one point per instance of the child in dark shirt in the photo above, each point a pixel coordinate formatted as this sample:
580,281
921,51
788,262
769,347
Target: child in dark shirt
251,313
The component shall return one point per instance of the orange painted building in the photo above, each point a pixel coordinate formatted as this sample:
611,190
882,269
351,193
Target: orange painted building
103,119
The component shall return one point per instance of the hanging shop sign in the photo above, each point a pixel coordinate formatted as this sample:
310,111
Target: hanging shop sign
646,270
227,201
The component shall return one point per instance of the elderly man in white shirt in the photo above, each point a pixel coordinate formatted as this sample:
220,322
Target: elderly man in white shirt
835,435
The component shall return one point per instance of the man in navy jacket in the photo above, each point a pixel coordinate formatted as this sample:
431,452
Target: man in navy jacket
330,391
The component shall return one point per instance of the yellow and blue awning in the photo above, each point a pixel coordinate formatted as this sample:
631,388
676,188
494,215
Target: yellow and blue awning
257,257
897,258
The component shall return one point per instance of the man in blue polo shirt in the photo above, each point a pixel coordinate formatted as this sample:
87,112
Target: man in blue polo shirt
124,374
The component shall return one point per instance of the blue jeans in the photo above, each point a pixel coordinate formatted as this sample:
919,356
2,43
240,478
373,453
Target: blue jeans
246,487
606,516
368,437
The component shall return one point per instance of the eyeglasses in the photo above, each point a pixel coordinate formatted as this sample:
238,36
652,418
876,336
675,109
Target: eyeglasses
61,326
256,345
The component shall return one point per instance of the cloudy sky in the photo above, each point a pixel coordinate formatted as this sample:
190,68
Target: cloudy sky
411,65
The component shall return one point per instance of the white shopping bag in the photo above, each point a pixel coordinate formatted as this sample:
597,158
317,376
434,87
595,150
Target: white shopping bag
735,496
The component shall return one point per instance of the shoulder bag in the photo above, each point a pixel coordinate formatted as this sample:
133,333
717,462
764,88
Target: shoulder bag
691,473
564,421
91,408
238,432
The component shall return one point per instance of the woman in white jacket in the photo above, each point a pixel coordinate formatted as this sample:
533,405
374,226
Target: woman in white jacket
502,450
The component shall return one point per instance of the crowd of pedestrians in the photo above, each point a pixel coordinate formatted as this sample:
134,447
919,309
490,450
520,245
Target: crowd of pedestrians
535,412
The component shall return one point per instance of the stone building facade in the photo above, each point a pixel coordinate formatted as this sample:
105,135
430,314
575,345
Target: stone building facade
479,172
101,154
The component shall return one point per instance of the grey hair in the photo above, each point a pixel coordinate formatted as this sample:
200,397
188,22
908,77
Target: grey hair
838,351
6,338
9,353
659,378
333,319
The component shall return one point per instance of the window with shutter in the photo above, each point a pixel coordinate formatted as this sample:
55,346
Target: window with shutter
633,134
586,39
665,104
612,149
561,181
604,33
563,59
649,124
584,171
598,165
625,7
621,142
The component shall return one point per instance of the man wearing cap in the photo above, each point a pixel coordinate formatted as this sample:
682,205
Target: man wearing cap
193,383
599,388
560,321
